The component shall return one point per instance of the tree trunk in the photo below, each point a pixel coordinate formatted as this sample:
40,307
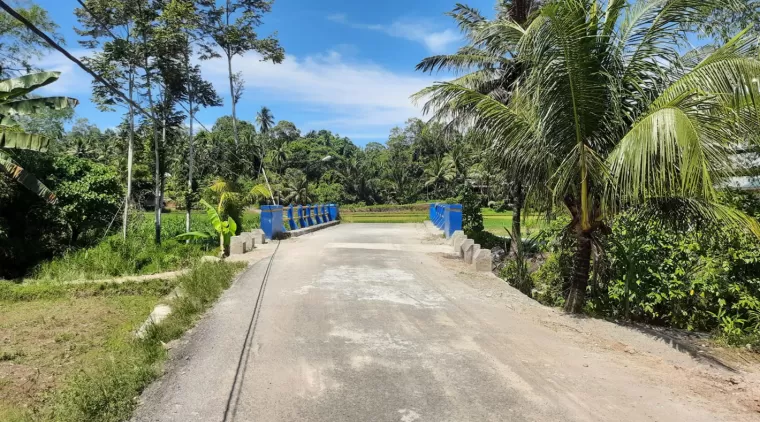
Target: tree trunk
149,83
159,188
234,103
130,152
191,155
517,206
576,297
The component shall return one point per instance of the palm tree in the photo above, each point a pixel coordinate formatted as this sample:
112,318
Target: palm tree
13,102
265,119
620,118
297,188
279,156
491,69
439,172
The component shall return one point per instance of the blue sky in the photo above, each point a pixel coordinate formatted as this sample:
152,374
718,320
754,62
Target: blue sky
349,65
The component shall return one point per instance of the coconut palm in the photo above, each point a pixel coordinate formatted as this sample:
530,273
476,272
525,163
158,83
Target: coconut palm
489,68
264,119
279,155
440,172
13,103
616,117
297,187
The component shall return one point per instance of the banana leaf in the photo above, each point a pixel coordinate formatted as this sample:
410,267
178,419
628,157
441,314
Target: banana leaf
36,105
16,87
13,139
26,178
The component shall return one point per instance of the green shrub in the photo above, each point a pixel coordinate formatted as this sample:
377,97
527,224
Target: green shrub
694,279
488,240
549,282
472,217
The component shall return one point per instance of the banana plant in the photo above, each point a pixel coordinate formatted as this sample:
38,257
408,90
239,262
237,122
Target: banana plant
13,103
224,229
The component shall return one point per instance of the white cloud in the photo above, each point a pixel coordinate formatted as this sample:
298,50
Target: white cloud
73,81
422,31
352,97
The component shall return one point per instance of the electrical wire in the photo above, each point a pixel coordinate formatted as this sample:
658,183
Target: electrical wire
69,56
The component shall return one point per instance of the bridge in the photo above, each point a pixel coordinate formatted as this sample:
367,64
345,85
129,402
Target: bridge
384,322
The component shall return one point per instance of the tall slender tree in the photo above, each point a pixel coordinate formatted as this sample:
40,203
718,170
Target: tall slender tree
110,28
232,25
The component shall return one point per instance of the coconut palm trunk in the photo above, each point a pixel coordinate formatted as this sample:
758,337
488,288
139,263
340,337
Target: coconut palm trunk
517,206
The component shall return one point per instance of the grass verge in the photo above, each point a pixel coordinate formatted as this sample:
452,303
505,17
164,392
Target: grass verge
69,352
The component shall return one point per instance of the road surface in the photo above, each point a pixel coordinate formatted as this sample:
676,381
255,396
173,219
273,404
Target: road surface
365,322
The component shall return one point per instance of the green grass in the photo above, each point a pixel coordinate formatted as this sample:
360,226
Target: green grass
138,255
72,355
494,222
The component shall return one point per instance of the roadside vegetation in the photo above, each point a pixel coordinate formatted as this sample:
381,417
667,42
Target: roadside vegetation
69,351
599,120
584,138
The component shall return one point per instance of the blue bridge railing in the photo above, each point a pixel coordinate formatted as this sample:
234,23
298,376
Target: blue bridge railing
447,217
274,217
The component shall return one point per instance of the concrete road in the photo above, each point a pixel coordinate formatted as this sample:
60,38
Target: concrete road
366,322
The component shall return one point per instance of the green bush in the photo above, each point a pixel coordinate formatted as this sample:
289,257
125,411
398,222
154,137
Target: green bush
115,257
488,240
31,230
694,279
549,282
472,217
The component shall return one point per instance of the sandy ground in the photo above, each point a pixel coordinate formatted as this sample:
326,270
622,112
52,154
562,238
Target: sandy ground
366,322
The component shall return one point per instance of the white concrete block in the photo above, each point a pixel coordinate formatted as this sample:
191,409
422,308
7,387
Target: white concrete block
482,261
250,241
470,252
237,245
466,244
456,240
259,238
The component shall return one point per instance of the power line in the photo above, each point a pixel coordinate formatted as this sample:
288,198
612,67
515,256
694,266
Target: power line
69,56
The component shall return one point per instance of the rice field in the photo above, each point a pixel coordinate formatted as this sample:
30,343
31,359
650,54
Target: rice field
494,222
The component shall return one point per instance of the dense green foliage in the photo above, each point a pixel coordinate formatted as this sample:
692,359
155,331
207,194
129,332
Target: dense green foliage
32,230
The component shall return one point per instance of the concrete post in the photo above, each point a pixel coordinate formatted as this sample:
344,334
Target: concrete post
237,245
482,261
291,220
301,221
333,208
453,219
470,252
250,242
309,219
271,220
258,236
457,238
466,244
317,220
